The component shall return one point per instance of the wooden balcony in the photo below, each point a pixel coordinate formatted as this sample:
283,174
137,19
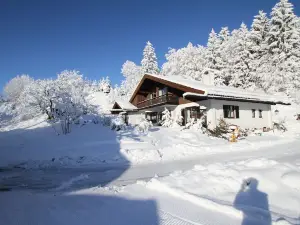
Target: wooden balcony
160,100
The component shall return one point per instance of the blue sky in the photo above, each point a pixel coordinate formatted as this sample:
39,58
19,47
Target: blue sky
42,38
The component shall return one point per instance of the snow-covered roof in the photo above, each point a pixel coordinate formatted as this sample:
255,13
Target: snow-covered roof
125,105
224,92
187,105
193,94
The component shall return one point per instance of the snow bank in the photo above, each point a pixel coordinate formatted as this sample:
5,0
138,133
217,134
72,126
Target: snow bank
224,187
155,184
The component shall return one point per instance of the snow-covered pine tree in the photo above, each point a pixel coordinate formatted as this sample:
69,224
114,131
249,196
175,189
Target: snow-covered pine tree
213,58
283,48
258,47
258,35
224,62
186,62
243,75
149,61
167,120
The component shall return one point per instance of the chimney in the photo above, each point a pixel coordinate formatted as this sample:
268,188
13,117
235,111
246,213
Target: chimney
208,79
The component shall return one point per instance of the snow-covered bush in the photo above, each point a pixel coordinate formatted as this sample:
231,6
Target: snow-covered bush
199,124
280,125
105,120
118,123
167,120
143,126
221,129
189,124
16,86
177,117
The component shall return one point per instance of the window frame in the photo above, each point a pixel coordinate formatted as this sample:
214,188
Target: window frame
231,110
260,113
253,113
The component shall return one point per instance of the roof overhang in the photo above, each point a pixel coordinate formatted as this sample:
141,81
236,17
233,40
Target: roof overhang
203,93
184,88
242,99
117,108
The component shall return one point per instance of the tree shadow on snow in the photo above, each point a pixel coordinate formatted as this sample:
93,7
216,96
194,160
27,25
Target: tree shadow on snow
52,178
77,210
253,203
40,159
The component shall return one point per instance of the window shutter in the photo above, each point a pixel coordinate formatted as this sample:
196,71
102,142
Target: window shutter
237,112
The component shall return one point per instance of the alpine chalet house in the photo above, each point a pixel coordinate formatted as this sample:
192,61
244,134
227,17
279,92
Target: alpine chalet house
192,99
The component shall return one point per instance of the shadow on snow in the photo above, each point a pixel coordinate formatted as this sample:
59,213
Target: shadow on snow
87,157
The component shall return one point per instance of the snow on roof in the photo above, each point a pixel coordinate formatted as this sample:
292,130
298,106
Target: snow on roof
224,91
187,105
126,105
194,94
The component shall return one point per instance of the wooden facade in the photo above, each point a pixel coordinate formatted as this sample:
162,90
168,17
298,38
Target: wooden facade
152,91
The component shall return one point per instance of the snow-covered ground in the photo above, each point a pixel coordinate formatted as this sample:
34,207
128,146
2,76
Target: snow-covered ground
35,144
251,191
98,176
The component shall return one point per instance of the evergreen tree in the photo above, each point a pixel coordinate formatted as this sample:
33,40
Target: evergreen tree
243,75
258,35
283,48
258,47
149,61
213,58
167,120
224,63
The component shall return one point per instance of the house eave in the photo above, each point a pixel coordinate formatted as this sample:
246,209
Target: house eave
243,99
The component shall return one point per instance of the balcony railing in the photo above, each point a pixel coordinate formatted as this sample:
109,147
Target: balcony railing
164,99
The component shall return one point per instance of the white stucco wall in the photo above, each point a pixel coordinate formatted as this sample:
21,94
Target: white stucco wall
135,117
215,112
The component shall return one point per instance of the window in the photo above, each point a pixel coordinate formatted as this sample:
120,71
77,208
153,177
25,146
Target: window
260,113
165,90
231,111
253,113
195,112
162,91
152,117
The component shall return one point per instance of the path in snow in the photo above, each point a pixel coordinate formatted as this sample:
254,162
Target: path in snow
78,178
